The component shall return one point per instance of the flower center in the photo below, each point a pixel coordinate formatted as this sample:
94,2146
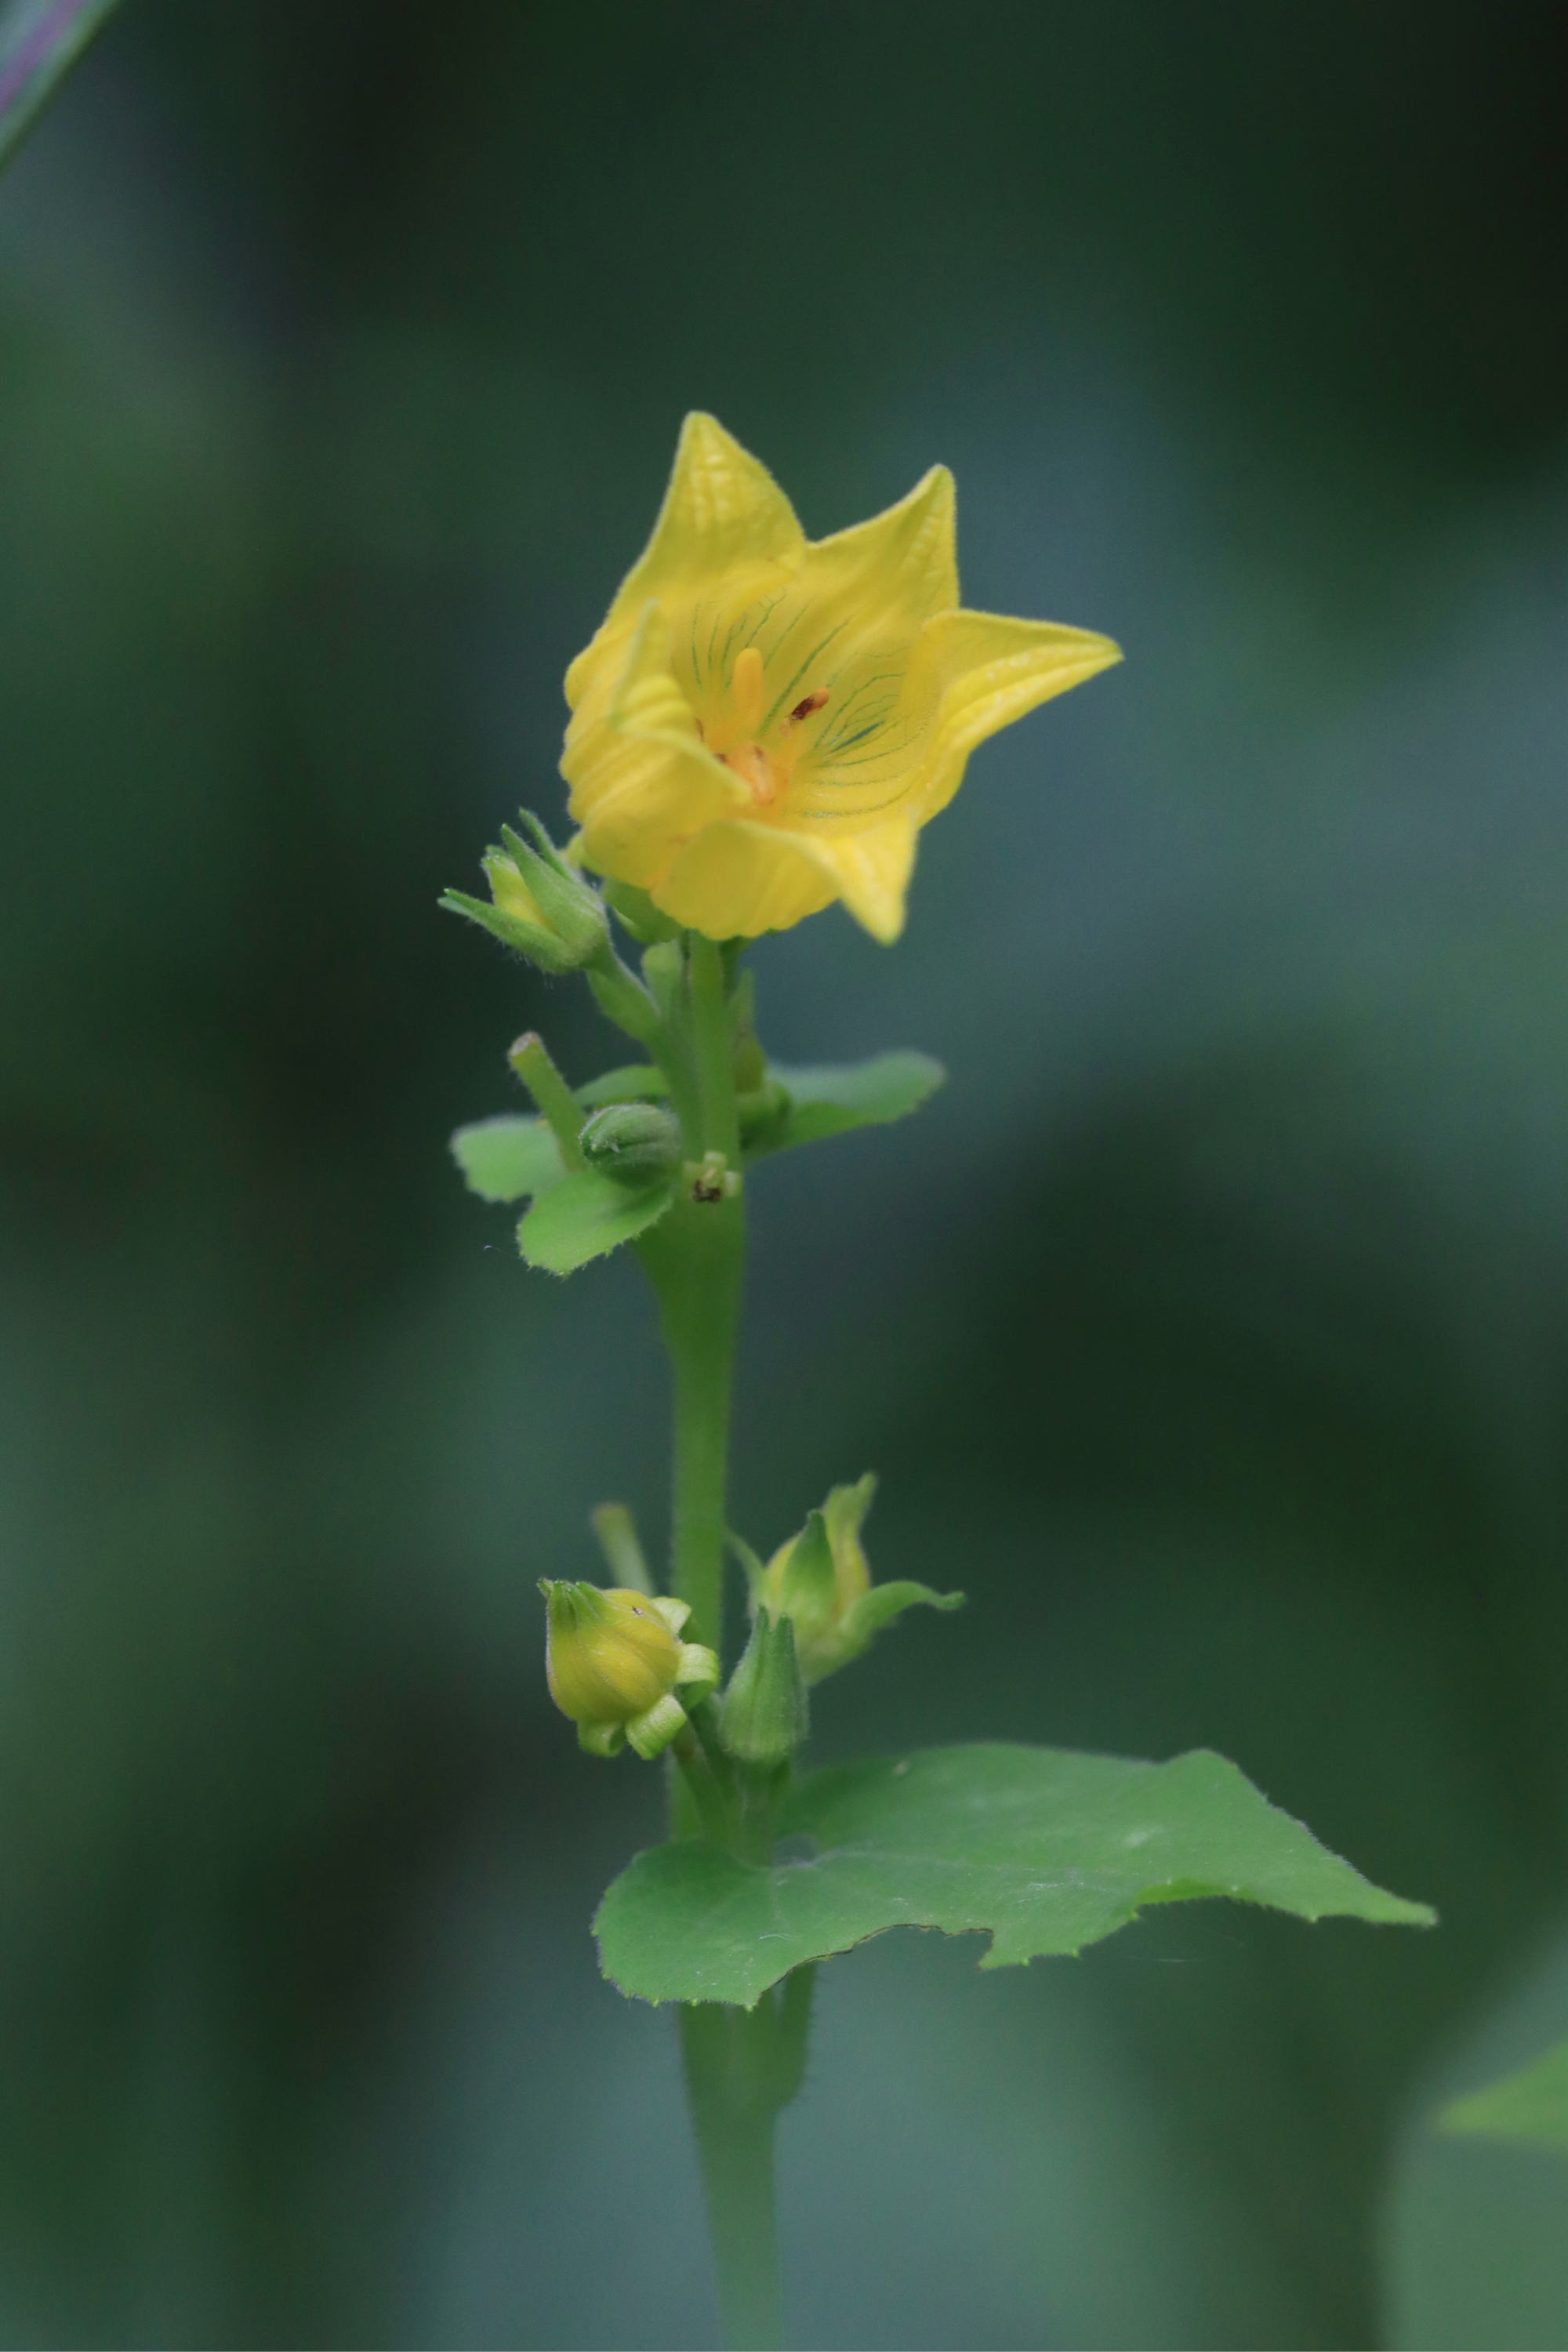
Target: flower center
765,763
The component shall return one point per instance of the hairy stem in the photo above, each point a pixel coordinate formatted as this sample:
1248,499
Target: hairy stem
741,2066
714,1047
557,1105
694,1258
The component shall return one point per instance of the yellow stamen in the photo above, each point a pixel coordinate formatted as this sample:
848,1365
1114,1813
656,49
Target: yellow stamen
746,690
751,763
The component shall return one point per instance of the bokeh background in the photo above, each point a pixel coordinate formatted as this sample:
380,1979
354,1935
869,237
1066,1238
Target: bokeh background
1211,1327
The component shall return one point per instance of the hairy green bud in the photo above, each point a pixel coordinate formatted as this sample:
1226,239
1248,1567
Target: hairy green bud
541,904
765,1714
632,1141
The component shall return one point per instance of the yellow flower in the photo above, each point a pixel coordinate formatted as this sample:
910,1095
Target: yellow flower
763,722
614,1662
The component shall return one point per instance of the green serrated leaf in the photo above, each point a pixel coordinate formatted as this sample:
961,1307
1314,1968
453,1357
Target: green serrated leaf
832,1099
1531,2107
638,1082
587,1216
1043,1850
506,1159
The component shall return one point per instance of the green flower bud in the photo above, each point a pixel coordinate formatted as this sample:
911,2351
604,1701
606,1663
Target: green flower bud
820,1580
614,1661
635,1141
765,1714
541,906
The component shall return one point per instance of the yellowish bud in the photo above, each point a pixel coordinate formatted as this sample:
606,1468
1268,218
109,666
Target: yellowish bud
818,1575
820,1581
540,904
510,892
614,1662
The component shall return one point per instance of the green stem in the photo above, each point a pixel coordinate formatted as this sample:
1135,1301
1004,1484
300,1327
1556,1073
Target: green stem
558,1106
715,1049
621,998
712,1802
741,2066
694,1258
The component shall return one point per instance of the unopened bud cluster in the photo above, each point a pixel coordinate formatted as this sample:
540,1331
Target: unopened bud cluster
616,1662
540,905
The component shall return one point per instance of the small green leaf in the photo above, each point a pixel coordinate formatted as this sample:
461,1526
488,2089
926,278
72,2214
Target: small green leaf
1531,2107
1043,1850
638,1082
587,1216
505,1158
832,1099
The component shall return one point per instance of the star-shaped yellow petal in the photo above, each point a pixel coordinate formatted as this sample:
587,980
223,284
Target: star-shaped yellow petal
762,724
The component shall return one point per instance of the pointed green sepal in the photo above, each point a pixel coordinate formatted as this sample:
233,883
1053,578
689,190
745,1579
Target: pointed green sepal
807,1588
531,940
865,1618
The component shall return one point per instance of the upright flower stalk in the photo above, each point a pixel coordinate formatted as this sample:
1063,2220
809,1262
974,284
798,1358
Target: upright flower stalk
761,725
764,725
695,1260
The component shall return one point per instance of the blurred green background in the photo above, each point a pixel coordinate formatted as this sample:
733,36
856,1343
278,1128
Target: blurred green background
1211,1328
